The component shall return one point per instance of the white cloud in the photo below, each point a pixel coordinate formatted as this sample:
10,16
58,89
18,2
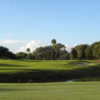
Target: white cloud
68,48
18,46
21,46
32,45
13,45
10,41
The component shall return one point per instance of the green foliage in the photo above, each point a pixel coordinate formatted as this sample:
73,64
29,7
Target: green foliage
5,53
73,54
49,52
28,50
21,55
53,42
86,51
80,49
56,51
95,47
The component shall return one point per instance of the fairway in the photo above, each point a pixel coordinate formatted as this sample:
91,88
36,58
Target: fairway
11,66
28,65
51,91
56,74
48,70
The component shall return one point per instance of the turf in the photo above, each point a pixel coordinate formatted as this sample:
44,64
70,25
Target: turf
48,70
48,91
8,66
51,91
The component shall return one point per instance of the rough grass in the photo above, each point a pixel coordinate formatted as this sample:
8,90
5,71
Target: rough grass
51,91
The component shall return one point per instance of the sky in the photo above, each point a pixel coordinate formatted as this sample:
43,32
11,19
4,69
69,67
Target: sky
24,23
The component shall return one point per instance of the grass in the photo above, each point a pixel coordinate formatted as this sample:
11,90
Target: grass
8,66
48,70
51,91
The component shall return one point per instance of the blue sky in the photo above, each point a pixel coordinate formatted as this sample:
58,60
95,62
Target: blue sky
69,21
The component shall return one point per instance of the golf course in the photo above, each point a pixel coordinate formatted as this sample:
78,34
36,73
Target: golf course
77,88
49,50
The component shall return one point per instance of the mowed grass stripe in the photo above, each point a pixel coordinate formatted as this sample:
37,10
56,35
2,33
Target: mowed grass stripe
51,91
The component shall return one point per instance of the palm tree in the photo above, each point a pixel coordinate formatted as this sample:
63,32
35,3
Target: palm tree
28,50
29,53
53,42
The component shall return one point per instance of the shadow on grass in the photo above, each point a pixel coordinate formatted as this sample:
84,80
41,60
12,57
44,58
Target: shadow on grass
79,63
51,75
20,89
6,90
16,89
11,65
16,69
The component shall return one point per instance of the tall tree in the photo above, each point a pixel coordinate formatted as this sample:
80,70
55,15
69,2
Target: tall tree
28,50
21,55
5,53
88,53
29,55
53,42
80,49
95,47
73,54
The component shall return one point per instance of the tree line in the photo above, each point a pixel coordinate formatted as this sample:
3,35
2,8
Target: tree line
55,51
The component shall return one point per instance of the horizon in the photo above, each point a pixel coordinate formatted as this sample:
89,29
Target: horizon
71,22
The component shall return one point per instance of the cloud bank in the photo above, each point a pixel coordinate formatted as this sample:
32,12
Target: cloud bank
10,42
32,45
21,46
